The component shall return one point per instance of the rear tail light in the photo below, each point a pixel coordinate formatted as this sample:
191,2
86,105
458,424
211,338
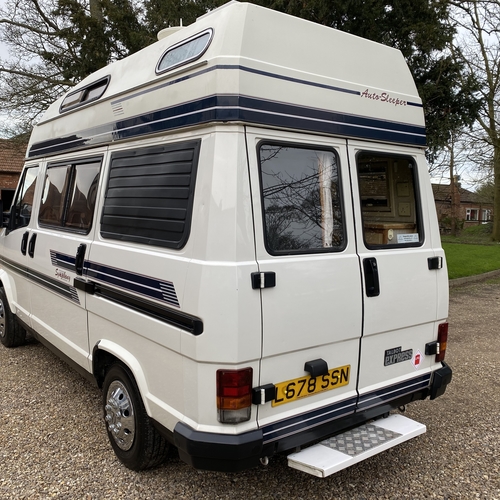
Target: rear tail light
234,395
442,341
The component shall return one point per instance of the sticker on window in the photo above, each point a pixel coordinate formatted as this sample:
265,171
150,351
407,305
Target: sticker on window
408,238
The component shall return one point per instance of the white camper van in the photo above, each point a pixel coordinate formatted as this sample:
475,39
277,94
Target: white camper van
233,233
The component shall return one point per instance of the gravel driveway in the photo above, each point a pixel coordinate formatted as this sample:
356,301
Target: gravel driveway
53,445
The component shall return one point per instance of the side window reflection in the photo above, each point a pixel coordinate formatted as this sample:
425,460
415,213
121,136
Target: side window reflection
23,203
69,196
302,199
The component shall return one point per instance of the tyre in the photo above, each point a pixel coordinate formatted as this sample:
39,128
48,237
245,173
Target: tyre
135,441
11,334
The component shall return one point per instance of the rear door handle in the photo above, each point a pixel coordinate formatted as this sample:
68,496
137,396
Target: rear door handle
31,246
24,242
372,284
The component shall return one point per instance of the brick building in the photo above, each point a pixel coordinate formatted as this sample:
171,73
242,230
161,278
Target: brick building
469,209
11,163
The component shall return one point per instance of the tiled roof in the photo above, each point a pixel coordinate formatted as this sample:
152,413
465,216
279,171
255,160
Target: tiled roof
11,156
442,193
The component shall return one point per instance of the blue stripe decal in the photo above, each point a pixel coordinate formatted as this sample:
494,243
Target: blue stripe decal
224,108
146,286
386,394
63,260
295,425
239,68
246,69
63,289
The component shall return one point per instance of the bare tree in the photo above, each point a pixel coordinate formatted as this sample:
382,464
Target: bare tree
28,81
56,43
478,46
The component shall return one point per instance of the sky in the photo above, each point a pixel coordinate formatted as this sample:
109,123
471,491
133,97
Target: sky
4,54
3,48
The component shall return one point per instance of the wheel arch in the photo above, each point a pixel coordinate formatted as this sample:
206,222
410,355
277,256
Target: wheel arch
105,353
9,288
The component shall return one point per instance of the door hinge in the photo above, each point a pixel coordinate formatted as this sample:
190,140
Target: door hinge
263,280
263,394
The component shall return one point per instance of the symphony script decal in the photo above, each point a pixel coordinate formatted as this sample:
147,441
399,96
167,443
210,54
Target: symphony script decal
383,97
62,275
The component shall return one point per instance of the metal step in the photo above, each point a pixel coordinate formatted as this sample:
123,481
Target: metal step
353,446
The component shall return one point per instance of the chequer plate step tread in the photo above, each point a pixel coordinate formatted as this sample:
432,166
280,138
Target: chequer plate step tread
355,445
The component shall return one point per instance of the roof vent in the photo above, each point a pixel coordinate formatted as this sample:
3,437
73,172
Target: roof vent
169,31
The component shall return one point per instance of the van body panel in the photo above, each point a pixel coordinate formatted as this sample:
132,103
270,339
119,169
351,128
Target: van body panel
142,355
200,404
251,233
218,283
15,240
15,266
57,307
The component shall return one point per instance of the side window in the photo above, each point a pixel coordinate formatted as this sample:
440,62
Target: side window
23,202
389,200
301,199
82,196
69,195
150,193
54,190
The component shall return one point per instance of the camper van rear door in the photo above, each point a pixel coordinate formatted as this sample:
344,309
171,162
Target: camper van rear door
304,234
389,189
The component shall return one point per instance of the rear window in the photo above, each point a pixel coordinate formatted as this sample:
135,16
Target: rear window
301,198
389,200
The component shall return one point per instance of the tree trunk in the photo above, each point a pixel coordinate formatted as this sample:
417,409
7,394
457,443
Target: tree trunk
496,202
96,10
453,189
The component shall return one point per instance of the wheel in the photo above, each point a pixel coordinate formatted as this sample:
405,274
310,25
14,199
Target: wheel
11,334
135,441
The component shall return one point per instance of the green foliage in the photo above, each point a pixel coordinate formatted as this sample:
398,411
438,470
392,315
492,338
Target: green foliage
85,36
486,192
480,234
469,260
446,223
162,14
448,107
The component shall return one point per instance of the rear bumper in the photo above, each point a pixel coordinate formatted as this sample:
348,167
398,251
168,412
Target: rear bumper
233,453
440,380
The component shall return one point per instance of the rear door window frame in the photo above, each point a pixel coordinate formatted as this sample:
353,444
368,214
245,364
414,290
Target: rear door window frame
339,202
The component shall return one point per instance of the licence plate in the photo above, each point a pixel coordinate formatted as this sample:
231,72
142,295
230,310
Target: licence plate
302,387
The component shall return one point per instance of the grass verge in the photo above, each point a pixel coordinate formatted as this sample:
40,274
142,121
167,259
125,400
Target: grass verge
469,260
